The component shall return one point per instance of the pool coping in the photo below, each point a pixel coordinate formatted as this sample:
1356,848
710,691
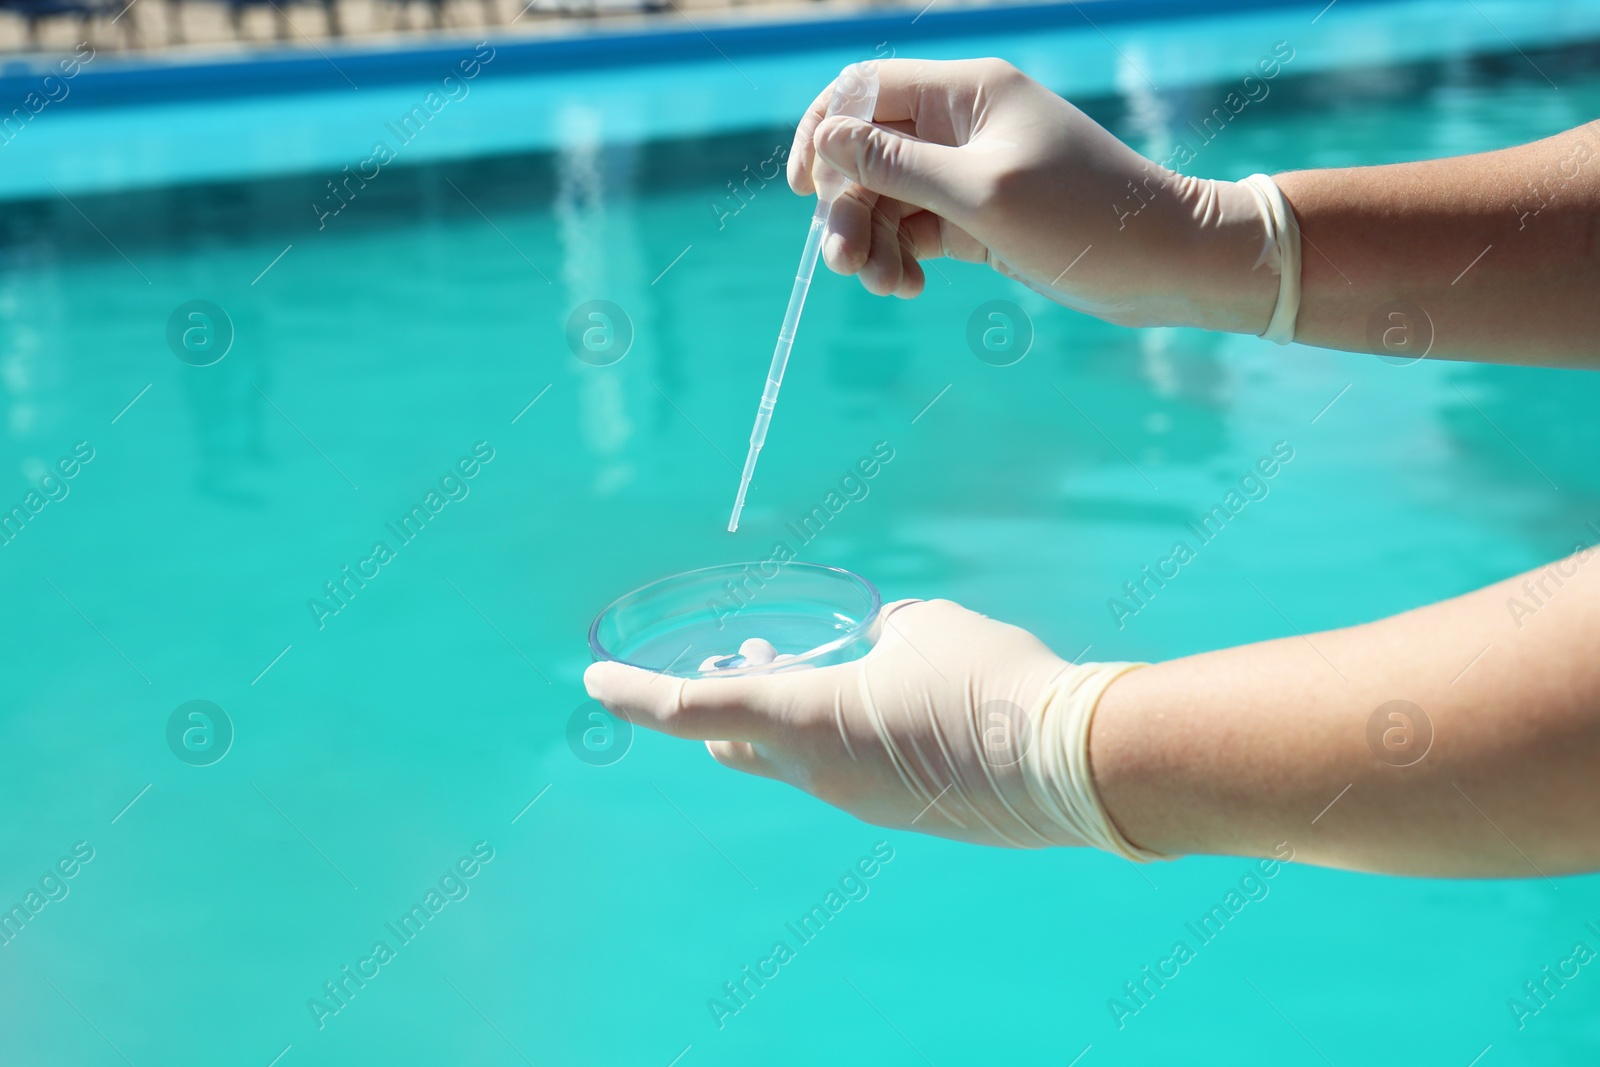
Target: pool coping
177,76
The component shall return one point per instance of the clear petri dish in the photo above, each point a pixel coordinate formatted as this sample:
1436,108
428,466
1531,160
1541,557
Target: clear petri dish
819,615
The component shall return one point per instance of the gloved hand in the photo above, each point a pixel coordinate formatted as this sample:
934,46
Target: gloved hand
954,724
975,161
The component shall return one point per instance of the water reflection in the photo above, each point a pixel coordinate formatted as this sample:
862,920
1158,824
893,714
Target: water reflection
595,257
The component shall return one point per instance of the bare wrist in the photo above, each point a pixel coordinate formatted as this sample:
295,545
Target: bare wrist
1132,775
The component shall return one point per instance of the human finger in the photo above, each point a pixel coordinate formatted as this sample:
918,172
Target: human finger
919,172
883,271
906,88
737,707
754,652
849,241
801,151
932,237
757,652
742,756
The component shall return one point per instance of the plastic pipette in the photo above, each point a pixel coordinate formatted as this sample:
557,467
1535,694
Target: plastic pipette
855,95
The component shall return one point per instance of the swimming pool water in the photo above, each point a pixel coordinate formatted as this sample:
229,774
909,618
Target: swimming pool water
402,377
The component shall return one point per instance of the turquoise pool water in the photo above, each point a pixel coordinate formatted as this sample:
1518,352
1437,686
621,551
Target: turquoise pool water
414,735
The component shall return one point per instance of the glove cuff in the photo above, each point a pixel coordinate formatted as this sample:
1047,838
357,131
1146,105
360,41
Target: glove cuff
1280,253
1060,760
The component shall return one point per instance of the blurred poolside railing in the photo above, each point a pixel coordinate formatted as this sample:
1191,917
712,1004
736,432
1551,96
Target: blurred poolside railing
154,25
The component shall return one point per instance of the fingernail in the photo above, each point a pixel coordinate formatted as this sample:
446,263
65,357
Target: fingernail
833,250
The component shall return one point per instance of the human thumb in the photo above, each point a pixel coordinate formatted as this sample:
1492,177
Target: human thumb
883,161
726,708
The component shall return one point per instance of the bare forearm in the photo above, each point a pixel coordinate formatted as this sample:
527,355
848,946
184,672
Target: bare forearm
1493,257
1239,750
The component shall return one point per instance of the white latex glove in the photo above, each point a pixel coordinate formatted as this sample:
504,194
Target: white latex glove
954,724
976,161
753,653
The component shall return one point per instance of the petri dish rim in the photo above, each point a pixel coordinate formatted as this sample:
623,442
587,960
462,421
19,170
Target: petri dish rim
862,627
